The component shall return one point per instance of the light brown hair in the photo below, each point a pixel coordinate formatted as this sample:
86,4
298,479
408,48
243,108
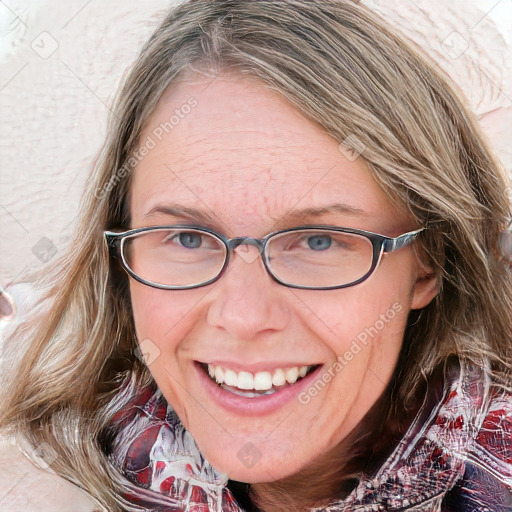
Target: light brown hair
346,70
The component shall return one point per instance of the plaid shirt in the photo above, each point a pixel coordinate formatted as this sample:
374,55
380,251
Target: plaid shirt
455,456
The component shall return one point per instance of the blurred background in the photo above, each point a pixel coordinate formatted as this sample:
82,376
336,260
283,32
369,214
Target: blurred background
61,63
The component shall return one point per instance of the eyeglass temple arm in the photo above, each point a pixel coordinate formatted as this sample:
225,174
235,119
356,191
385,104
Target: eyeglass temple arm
393,244
112,240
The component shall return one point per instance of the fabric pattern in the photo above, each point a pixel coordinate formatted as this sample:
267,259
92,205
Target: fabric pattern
160,459
455,456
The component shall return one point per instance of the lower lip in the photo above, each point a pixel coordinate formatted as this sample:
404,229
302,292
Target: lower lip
264,404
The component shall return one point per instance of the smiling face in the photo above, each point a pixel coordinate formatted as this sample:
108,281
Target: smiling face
248,160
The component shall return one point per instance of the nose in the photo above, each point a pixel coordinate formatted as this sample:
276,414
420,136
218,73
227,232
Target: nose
246,301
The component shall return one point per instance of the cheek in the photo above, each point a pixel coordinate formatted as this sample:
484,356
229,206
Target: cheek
163,320
356,313
159,315
370,317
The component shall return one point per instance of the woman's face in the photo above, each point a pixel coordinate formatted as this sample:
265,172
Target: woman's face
249,162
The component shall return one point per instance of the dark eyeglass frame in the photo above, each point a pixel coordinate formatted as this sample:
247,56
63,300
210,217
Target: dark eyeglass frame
381,244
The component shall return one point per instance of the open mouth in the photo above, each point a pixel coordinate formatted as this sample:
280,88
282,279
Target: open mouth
252,385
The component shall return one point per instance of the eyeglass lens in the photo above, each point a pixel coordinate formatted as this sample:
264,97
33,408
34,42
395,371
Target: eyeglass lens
309,257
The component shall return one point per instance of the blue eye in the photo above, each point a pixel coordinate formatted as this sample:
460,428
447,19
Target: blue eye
190,240
319,242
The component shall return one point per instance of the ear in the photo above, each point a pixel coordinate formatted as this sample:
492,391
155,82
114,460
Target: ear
426,286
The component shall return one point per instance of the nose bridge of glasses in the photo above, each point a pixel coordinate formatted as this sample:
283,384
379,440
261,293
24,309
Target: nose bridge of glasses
237,244
233,243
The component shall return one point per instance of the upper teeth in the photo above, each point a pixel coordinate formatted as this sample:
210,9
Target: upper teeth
260,380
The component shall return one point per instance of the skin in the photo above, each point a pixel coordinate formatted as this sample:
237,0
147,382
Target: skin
247,157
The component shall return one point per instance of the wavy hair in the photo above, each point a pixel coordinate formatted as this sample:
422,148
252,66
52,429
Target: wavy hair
344,68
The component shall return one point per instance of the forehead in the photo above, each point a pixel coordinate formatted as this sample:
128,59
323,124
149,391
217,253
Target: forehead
241,151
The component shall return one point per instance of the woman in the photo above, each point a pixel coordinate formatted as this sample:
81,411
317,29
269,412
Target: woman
285,291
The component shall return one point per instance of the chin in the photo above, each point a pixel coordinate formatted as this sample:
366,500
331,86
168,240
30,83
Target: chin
250,466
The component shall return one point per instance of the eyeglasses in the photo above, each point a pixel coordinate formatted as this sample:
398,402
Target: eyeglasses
315,257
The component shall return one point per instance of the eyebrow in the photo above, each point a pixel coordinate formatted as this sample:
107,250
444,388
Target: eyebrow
300,215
